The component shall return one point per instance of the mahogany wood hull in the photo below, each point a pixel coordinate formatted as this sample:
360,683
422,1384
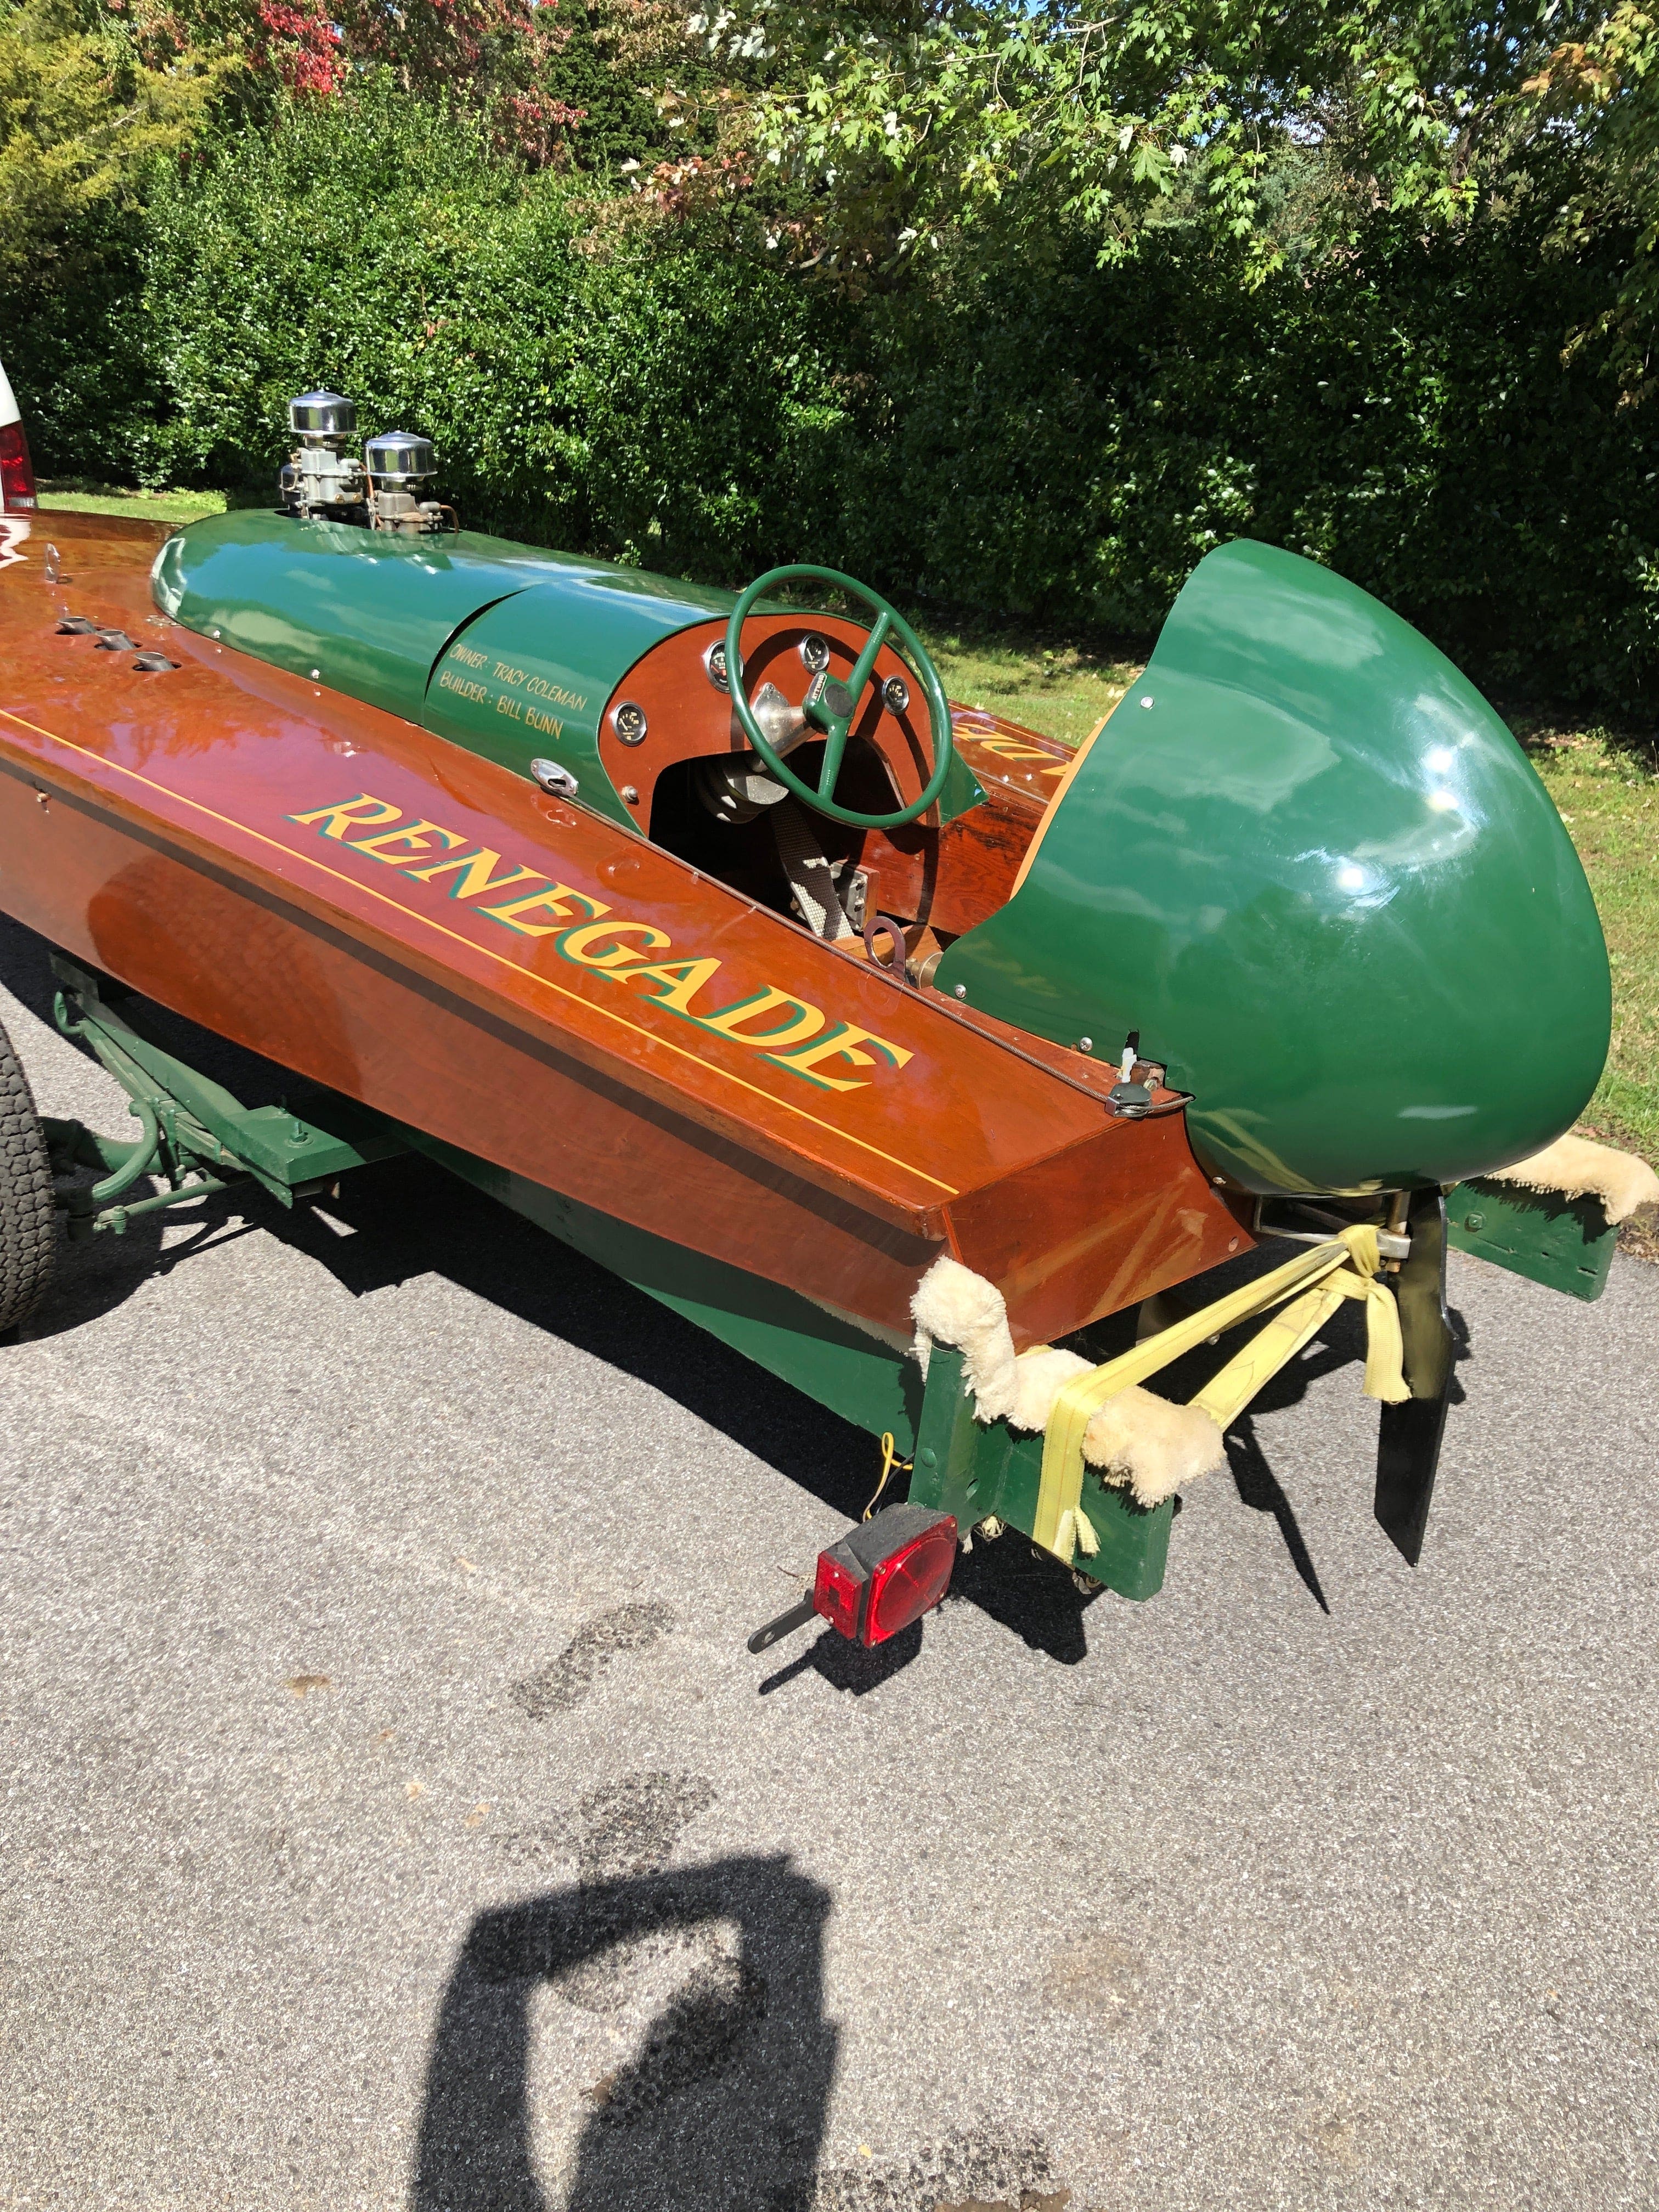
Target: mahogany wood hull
298,872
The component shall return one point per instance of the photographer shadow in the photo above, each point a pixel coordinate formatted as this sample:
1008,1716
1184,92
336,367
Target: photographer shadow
724,2105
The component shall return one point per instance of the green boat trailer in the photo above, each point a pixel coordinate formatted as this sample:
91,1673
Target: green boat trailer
198,1138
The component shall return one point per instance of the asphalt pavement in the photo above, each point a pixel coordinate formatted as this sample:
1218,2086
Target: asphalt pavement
394,1817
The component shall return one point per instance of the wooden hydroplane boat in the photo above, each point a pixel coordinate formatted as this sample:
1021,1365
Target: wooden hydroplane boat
705,932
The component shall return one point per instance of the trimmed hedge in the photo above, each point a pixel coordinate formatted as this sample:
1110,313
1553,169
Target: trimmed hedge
644,405
1420,419
1058,443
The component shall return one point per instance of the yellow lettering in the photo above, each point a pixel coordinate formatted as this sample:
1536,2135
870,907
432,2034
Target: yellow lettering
504,705
448,683
841,1043
417,838
728,1021
337,820
574,943
552,901
683,979
464,652
1010,749
476,879
556,692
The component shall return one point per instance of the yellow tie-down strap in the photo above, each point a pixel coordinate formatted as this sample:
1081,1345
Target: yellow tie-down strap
1317,1281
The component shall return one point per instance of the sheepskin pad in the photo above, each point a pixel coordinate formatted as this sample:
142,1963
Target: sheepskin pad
1577,1168
1155,1447
1137,1440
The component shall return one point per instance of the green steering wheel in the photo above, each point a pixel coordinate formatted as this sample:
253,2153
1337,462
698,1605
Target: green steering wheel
833,706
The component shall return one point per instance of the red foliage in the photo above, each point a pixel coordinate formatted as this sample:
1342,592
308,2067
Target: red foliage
488,54
303,46
531,125
450,41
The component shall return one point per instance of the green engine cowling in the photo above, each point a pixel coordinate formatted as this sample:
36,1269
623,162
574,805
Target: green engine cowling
506,649
1307,861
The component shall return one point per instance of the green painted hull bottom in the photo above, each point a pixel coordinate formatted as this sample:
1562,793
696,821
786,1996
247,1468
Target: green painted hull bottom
974,1469
1563,1243
866,1383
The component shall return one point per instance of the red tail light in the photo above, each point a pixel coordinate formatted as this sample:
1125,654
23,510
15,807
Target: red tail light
16,471
912,1582
886,1573
838,1594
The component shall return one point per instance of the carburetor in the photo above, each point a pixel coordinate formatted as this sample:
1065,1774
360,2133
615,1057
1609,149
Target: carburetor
324,477
400,465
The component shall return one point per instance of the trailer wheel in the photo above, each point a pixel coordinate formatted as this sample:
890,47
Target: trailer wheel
28,1225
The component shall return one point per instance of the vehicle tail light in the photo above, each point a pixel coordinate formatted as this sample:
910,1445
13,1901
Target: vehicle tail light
882,1575
886,1573
16,471
838,1593
911,1581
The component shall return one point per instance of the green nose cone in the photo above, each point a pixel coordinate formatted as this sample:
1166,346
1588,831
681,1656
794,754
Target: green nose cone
1310,866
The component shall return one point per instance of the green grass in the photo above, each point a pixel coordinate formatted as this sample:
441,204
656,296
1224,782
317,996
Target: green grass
76,496
1609,795
1063,691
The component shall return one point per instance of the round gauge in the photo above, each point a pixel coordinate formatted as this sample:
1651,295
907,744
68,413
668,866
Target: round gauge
897,692
628,720
714,661
815,652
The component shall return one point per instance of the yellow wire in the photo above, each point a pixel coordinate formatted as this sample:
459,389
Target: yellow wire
889,1460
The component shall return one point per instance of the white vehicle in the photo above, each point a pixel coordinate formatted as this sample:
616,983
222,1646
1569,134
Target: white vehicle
16,470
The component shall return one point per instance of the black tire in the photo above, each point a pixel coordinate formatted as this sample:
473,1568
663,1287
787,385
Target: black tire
28,1220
